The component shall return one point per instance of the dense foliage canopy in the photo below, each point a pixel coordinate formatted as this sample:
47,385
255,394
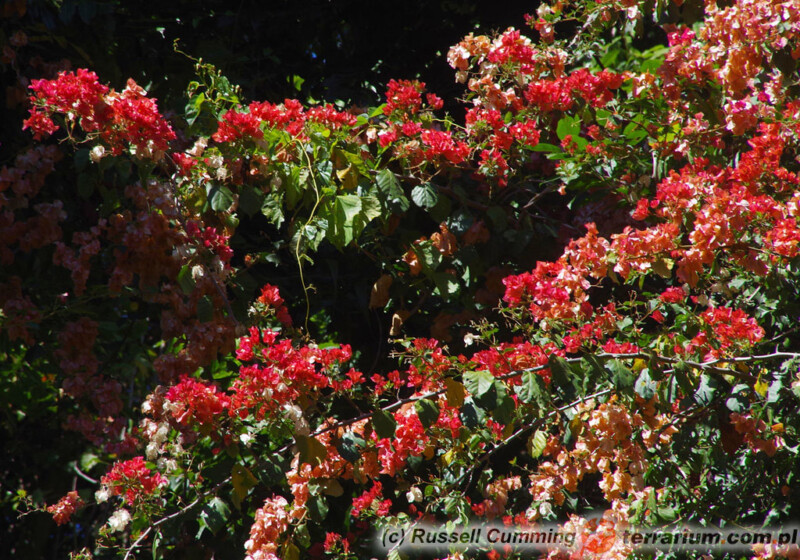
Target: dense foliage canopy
561,288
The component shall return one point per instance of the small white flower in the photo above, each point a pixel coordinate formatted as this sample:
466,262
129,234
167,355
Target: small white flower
101,495
545,509
161,434
97,153
295,414
119,520
469,339
151,451
198,148
246,439
414,495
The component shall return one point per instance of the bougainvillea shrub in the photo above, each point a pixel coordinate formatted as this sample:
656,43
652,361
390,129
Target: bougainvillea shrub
586,290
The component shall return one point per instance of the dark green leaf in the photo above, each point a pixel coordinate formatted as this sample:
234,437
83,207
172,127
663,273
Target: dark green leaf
705,392
504,410
251,200
350,447
205,309
471,414
621,376
214,516
383,423
185,280
428,412
560,373
533,389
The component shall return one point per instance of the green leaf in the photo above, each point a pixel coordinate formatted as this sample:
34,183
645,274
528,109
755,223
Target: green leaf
86,184
446,284
205,309
621,376
537,444
391,193
383,423
214,516
705,392
429,257
568,126
739,401
645,387
349,216
428,412
311,450
318,508
82,159
634,132
350,447
478,383
251,200
242,480
425,196
220,197
560,373
682,378
545,147
533,389
185,280
272,209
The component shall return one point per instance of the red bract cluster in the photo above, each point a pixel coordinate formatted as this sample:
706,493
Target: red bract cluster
133,480
726,329
210,239
281,374
77,95
290,116
440,143
272,300
518,356
194,402
120,119
410,440
403,96
66,506
512,47
558,94
368,498
134,118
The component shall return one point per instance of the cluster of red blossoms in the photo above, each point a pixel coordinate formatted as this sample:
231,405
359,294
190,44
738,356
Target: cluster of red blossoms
129,117
290,116
62,510
558,94
405,96
133,480
271,299
210,239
